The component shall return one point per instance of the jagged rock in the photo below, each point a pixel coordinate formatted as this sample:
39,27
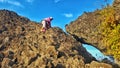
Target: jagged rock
95,64
23,45
5,63
116,3
86,28
1,56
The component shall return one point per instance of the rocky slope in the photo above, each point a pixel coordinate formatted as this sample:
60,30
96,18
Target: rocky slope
98,28
23,45
85,27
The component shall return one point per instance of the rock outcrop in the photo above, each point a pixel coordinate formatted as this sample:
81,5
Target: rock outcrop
23,45
95,64
87,28
116,3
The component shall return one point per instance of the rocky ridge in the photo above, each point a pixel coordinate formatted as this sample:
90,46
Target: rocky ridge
87,28
23,45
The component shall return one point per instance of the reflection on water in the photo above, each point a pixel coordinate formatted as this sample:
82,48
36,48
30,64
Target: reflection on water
96,53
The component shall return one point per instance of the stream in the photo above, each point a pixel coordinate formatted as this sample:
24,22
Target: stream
97,53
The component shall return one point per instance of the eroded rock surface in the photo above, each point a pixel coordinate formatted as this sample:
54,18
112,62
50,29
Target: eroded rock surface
23,45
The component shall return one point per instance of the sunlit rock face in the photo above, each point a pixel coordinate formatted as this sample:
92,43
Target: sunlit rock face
116,3
23,45
86,29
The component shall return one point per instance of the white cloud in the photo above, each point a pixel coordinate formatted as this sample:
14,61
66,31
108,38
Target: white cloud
2,0
16,3
29,1
56,1
68,15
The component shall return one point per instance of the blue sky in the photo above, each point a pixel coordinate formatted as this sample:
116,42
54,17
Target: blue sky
63,11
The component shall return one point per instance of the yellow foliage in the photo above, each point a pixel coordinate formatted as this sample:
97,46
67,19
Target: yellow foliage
110,31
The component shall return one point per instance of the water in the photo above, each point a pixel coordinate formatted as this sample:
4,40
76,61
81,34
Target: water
96,53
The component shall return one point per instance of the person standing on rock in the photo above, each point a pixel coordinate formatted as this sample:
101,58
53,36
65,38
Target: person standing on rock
46,23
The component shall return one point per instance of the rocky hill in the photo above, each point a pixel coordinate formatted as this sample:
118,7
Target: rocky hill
100,28
23,45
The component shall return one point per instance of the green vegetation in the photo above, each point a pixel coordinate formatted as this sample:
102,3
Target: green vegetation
110,30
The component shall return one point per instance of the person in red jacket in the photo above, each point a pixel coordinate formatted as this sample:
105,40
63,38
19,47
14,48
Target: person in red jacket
46,23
